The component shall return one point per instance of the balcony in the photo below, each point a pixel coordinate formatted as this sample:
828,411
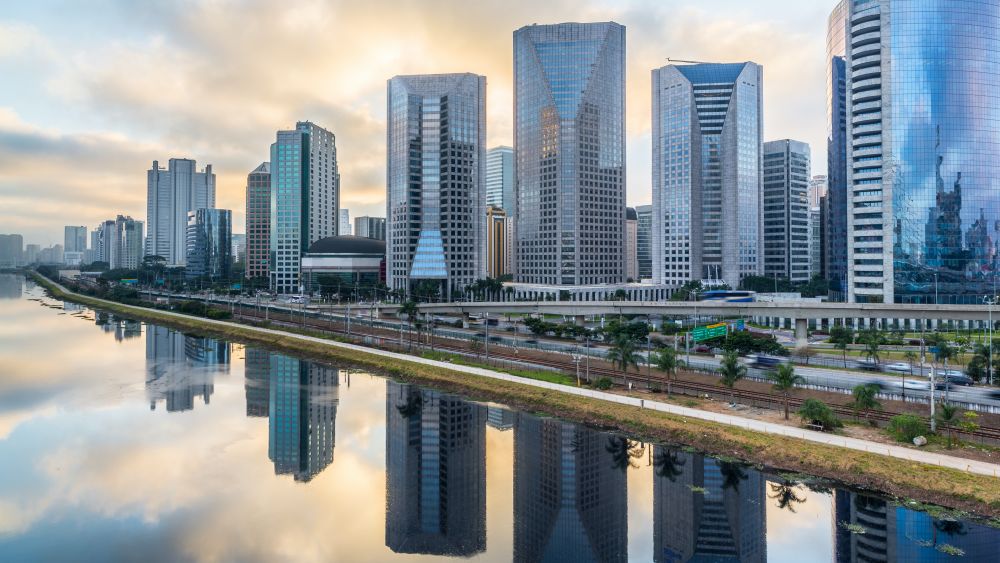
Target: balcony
866,106
870,38
866,27
866,61
867,118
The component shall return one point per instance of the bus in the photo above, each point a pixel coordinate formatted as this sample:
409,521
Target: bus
727,296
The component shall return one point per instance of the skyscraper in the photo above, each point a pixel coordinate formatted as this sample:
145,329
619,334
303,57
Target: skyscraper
11,250
835,219
119,242
305,198
170,194
258,219
569,142
631,245
75,239
436,218
500,179
344,223
644,241
370,227
924,212
707,124
817,189
498,235
209,244
787,239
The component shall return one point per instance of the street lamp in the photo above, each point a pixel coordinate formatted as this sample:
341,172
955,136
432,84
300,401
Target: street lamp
576,360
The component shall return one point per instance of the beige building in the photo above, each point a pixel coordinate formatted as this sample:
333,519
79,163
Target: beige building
498,242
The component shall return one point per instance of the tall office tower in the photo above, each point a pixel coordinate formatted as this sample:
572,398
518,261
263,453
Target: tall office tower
707,124
209,244
707,510
435,460
344,223
817,189
303,415
924,213
94,252
500,179
436,220
11,250
239,247
31,253
170,194
835,243
257,381
644,241
120,242
498,242
370,227
570,500
815,241
75,239
631,244
258,217
305,199
569,142
786,210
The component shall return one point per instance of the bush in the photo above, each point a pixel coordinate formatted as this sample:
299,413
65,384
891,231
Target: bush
906,427
218,315
816,412
603,384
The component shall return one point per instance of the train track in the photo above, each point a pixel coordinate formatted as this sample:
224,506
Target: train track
503,352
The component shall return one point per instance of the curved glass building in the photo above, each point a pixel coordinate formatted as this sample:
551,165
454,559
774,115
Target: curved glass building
923,134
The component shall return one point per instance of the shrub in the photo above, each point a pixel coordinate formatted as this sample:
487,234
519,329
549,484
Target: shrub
217,314
906,427
816,412
603,384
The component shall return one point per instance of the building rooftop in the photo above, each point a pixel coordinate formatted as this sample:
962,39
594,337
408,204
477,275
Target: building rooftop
347,244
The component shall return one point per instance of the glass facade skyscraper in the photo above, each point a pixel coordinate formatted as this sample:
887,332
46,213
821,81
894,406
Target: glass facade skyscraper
435,204
172,193
707,126
835,219
500,179
924,133
644,241
569,142
786,222
209,244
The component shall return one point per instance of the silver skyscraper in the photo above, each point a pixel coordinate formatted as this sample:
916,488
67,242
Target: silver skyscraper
170,194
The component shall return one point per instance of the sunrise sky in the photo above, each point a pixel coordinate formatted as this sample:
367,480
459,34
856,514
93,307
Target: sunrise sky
92,92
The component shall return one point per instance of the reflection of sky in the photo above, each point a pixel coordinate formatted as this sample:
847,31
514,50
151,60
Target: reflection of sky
88,472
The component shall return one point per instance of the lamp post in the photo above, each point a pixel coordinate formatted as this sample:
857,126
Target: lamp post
576,360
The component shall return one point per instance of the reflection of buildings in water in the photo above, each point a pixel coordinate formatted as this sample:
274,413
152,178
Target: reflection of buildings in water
302,411
257,375
726,522
500,418
69,306
179,367
876,516
10,286
435,473
569,498
126,329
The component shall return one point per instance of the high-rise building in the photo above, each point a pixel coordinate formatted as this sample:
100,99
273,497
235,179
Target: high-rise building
435,460
239,247
436,220
209,244
835,226
31,253
786,211
498,242
11,251
302,416
707,124
815,241
75,239
119,242
258,217
305,199
924,212
51,255
817,189
631,245
644,241
500,179
344,223
569,142
171,193
370,227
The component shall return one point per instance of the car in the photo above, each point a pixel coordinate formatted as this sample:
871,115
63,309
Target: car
955,376
914,384
867,365
899,367
702,349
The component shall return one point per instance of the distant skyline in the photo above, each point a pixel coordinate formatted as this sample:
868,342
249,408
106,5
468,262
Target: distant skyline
94,92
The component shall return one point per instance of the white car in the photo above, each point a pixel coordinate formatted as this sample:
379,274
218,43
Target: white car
899,367
914,384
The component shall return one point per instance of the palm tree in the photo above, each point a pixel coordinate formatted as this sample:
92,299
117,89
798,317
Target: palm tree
873,339
622,354
911,358
786,495
624,452
865,399
668,362
668,463
411,311
732,371
785,380
841,337
947,416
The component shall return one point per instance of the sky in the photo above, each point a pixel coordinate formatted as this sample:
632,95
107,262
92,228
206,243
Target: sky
92,92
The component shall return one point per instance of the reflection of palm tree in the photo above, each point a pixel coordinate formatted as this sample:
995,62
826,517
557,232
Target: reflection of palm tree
786,495
624,451
414,404
668,464
949,527
732,473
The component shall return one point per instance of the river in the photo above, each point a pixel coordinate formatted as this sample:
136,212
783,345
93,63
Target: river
126,441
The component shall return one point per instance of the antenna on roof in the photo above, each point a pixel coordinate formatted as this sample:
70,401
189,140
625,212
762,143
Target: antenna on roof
683,61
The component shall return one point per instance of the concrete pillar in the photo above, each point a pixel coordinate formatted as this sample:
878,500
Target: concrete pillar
465,320
801,333
580,320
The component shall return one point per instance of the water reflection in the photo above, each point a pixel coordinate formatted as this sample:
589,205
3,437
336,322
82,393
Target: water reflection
180,367
10,286
302,408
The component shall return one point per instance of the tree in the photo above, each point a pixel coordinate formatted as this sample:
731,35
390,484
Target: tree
411,311
817,413
687,292
942,353
624,452
865,400
622,354
667,361
841,337
732,371
619,295
947,416
873,339
785,380
911,358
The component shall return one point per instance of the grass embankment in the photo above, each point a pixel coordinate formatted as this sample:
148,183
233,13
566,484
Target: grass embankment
901,478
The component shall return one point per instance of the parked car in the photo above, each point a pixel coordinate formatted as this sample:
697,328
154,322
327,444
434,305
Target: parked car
899,367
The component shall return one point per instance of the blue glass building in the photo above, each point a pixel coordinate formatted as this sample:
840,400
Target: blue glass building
209,244
835,220
924,134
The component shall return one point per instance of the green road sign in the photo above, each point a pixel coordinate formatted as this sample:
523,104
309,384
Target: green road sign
709,332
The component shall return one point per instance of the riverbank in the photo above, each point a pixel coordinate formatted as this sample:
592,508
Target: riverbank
899,477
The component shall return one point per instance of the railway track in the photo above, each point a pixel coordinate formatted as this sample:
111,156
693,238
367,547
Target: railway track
504,352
